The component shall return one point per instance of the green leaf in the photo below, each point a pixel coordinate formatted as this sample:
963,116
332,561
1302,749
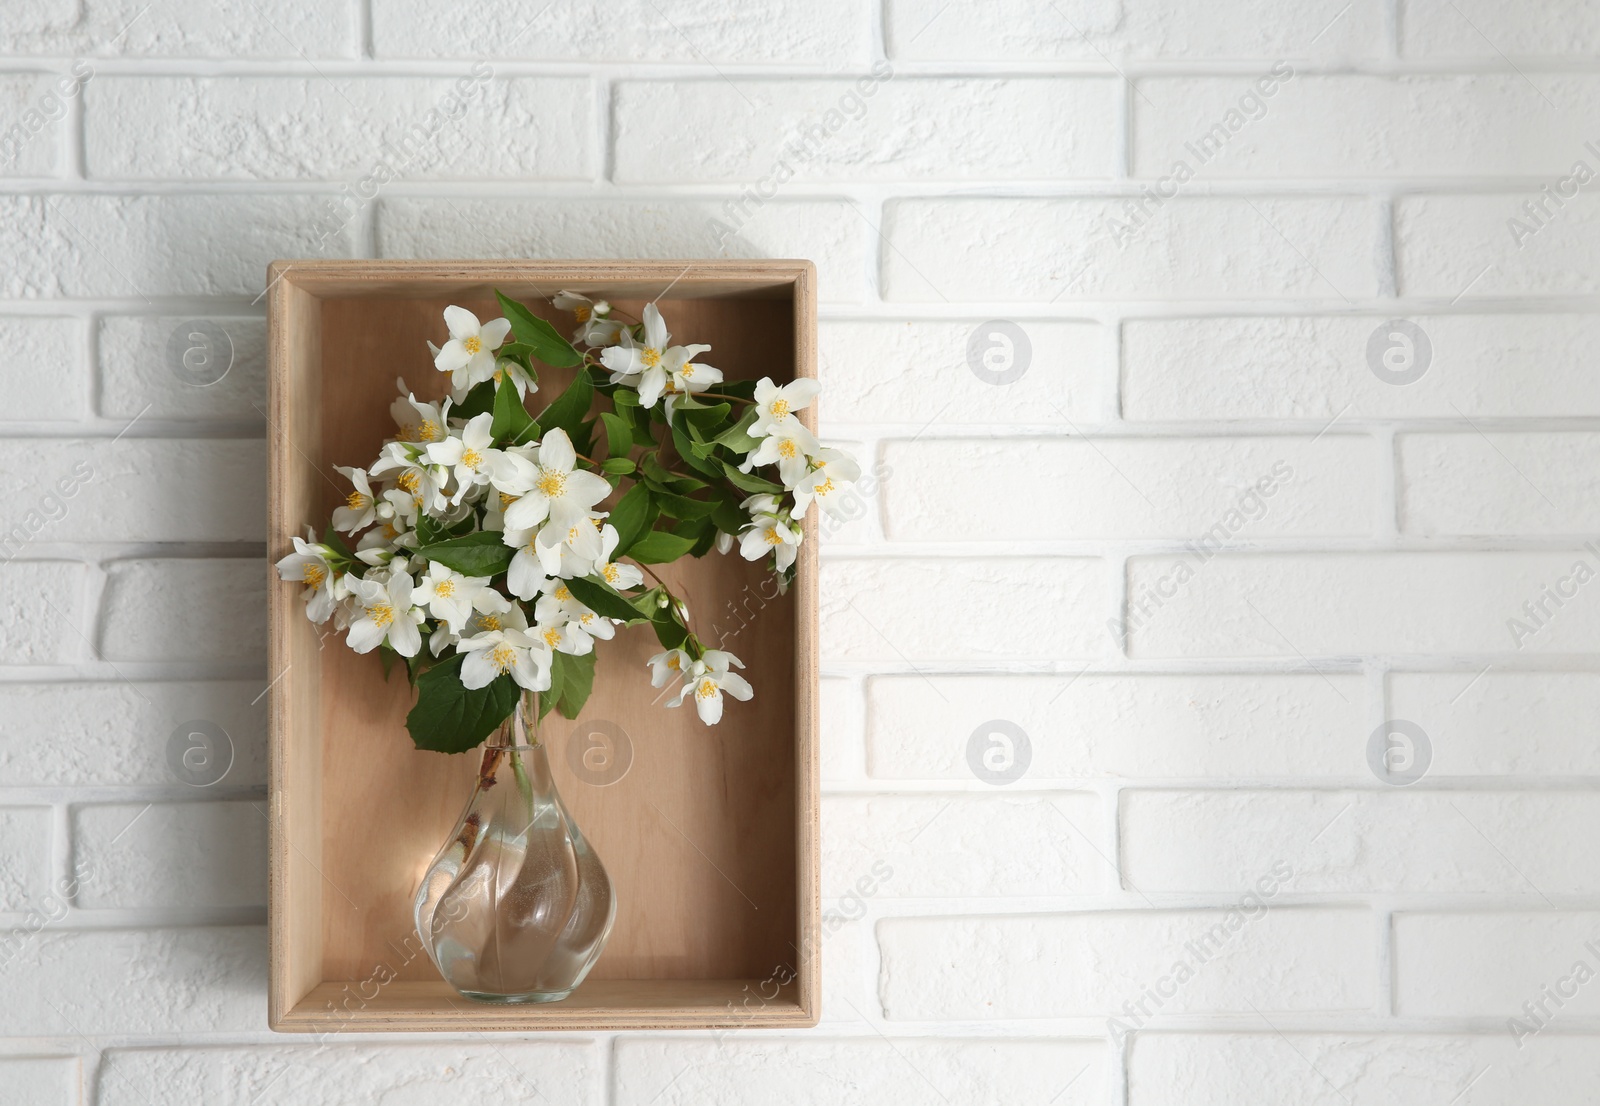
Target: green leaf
602,599
482,554
619,465
625,397
670,631
737,437
544,341
450,718
707,419
678,506
619,434
479,401
569,408
749,482
728,515
646,602
552,695
511,419
631,516
687,452
577,681
659,547
331,539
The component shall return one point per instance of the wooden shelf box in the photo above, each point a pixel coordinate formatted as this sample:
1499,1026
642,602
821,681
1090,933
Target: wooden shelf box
711,836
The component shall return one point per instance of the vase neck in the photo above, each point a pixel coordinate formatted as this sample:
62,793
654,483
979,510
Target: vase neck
522,728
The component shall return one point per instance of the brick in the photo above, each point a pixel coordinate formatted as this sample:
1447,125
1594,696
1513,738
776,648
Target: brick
1500,723
366,129
33,113
116,734
266,29
953,846
169,367
1125,726
1490,965
1282,959
139,489
212,610
926,372
1211,490
1499,483
188,981
42,620
814,1071
1484,29
699,32
849,963
1187,247
42,1080
141,246
1337,841
1305,367
1313,126
774,131
25,866
866,614
1016,30
840,713
194,855
1375,1069
59,395
1466,247
1288,605
833,234
565,1073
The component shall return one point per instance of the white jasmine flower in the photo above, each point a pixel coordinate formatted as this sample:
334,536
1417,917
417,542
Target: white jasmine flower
418,421
668,666
683,375
706,680
578,626
526,577
595,326
649,363
312,562
571,552
360,508
770,534
835,474
478,622
384,612
788,445
548,485
414,474
494,510
774,404
469,354
452,597
471,453
380,544
494,653
521,379
619,576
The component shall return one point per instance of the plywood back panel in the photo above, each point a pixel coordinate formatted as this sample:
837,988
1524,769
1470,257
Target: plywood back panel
697,835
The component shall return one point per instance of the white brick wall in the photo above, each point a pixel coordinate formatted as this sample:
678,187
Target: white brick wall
1101,821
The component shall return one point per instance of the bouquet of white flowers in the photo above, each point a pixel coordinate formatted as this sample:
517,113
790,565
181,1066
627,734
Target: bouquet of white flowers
484,559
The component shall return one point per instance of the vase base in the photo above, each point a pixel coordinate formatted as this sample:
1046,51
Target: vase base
516,999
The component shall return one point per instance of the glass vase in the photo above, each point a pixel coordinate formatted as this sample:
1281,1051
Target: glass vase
517,906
